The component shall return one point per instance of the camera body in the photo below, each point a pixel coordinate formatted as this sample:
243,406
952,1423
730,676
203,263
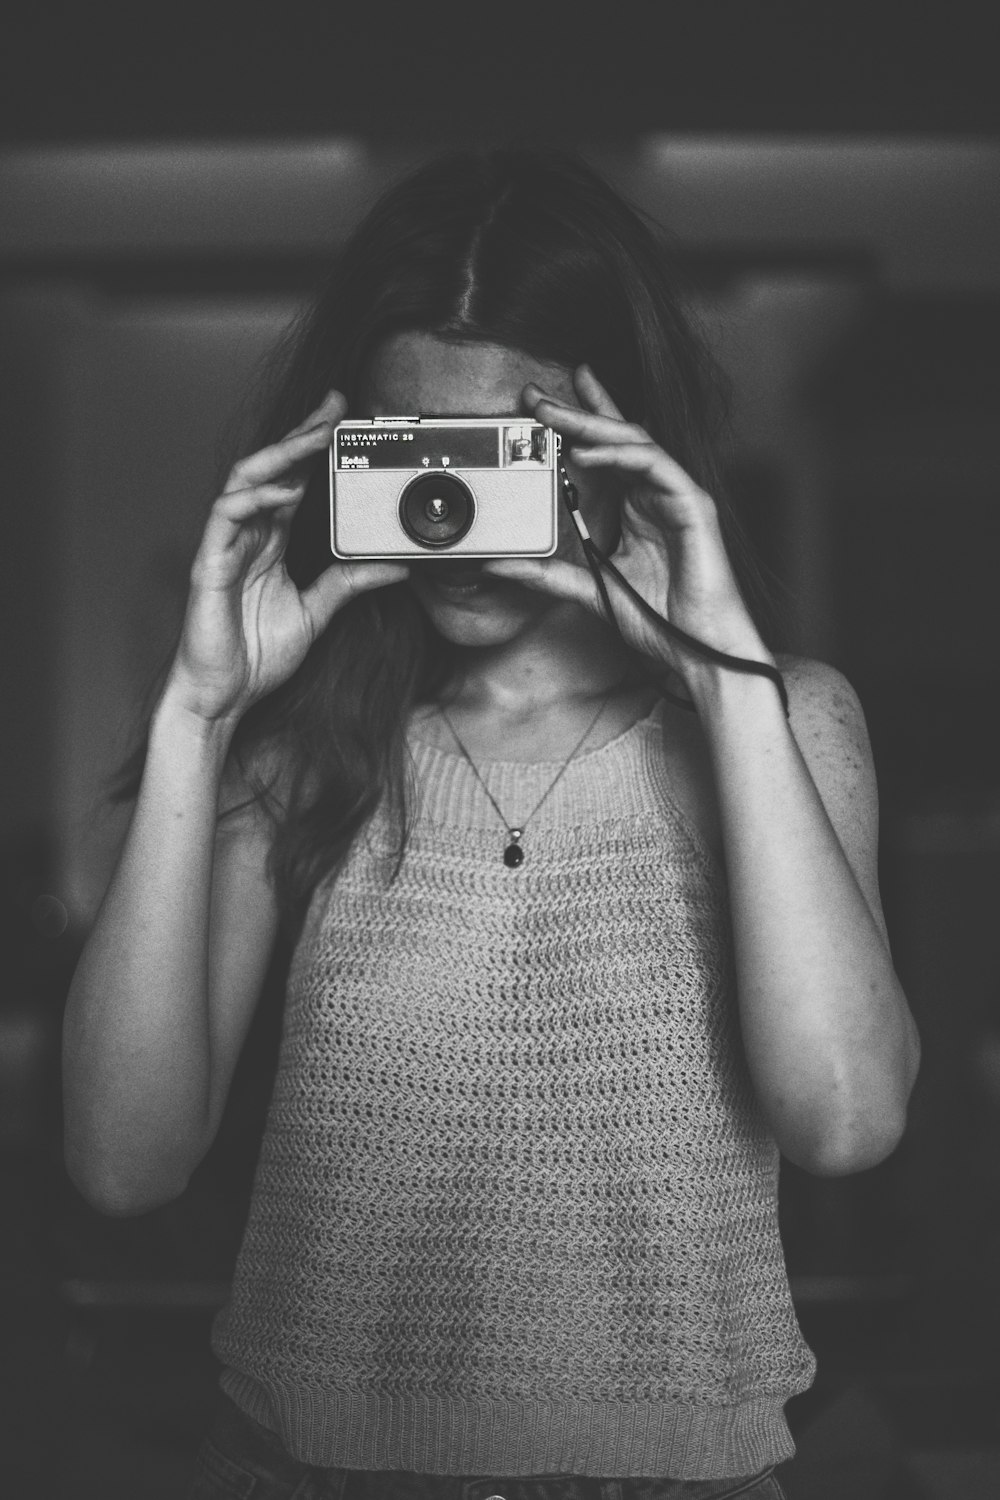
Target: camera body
473,487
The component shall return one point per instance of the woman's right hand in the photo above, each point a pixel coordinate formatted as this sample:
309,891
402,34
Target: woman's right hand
247,626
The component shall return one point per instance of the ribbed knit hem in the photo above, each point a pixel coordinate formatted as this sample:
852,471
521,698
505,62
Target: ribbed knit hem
438,1435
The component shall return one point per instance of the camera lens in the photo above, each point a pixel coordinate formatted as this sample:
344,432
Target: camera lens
436,510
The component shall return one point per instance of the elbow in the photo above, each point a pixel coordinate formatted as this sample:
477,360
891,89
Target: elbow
856,1123
843,1147
118,1200
834,1159
120,1194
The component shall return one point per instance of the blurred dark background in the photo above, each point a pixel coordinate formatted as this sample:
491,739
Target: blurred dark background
172,182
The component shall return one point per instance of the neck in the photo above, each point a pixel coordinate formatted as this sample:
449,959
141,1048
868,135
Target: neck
570,655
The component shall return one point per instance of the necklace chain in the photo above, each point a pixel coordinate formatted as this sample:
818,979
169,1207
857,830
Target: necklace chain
513,854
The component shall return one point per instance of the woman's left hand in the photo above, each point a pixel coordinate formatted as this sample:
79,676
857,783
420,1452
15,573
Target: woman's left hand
670,548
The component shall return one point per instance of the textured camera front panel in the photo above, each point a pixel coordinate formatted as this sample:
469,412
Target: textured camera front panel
515,515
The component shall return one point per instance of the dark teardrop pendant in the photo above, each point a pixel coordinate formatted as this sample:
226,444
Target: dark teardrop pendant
513,856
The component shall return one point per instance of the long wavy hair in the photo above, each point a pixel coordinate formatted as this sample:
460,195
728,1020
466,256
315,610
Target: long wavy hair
517,247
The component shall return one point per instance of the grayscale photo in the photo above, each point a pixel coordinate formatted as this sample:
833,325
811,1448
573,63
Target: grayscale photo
501,788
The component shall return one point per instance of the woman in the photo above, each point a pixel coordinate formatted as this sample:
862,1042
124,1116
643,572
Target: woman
514,1223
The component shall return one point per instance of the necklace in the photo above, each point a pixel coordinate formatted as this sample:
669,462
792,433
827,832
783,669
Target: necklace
513,854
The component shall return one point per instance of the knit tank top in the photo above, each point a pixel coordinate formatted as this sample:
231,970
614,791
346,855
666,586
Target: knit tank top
516,1205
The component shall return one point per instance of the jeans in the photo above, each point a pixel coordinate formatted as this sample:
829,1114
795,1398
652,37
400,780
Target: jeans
241,1460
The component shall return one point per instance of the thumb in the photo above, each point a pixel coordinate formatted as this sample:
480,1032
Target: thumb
341,582
549,575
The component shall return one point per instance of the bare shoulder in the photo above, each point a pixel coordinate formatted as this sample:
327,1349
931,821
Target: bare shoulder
815,685
825,712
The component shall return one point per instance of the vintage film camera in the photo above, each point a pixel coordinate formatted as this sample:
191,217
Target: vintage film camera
410,487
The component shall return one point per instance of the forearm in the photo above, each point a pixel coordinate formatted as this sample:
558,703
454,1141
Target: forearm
829,1039
137,1050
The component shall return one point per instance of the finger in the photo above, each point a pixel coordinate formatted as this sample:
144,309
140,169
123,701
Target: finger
551,575
647,460
585,426
240,505
326,594
593,395
271,462
279,458
268,507
332,407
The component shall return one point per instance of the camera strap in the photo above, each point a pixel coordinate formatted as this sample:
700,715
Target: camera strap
598,564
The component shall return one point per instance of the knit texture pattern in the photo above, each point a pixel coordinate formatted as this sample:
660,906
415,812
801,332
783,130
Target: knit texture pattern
516,1206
